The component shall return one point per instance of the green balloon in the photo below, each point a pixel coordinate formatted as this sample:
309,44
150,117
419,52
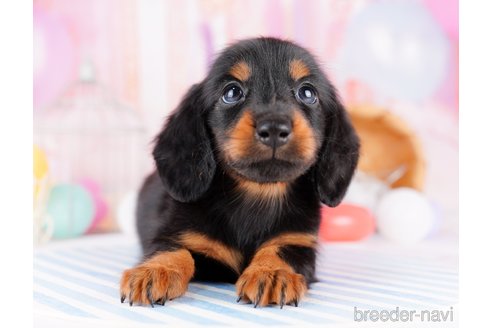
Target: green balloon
71,208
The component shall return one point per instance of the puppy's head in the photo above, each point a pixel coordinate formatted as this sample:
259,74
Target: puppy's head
268,115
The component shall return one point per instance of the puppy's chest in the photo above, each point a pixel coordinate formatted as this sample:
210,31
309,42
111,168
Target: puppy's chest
246,222
251,222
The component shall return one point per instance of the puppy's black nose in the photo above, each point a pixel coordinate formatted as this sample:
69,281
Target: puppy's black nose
273,133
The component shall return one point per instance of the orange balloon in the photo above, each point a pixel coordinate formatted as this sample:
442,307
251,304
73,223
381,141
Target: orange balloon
346,222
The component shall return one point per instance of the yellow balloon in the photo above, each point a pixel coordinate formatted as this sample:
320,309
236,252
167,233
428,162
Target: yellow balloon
40,163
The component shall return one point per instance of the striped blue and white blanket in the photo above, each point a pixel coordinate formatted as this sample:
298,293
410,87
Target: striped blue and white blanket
78,281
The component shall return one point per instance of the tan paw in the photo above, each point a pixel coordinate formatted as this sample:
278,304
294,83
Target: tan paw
264,286
156,280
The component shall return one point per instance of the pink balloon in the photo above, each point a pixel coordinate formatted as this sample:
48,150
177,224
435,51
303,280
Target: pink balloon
101,208
90,185
100,213
346,222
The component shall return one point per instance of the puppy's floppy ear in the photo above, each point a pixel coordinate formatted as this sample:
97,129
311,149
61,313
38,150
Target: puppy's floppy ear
183,152
338,156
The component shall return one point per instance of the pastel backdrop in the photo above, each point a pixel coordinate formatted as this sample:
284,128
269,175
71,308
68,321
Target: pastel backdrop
400,55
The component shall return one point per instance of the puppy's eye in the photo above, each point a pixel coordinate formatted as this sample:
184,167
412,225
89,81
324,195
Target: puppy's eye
232,94
307,94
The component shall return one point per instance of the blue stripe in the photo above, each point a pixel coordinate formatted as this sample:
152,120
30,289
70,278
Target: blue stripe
384,291
108,256
326,298
324,308
104,289
120,268
370,298
60,306
89,259
367,265
386,283
272,309
230,311
401,276
114,292
380,290
118,250
100,275
302,304
92,301
410,276
110,253
207,305
364,256
384,261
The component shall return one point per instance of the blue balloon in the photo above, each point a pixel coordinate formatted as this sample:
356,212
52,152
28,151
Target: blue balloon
71,208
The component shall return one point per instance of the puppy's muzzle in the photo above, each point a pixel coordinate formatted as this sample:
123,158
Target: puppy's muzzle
274,133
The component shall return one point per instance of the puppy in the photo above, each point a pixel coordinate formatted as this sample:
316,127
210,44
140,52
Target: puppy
242,166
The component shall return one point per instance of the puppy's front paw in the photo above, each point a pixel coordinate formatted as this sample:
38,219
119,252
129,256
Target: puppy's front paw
264,286
157,280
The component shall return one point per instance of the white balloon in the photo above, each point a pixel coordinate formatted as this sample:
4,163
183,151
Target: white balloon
397,48
404,215
126,213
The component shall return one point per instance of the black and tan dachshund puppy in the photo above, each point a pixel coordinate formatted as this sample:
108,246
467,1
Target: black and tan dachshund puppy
242,166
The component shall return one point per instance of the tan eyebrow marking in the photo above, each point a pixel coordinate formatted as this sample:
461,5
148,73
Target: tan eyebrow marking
241,71
298,69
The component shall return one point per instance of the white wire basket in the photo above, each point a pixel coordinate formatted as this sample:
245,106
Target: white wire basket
88,134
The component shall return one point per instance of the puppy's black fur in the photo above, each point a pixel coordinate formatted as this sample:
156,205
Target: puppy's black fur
212,162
